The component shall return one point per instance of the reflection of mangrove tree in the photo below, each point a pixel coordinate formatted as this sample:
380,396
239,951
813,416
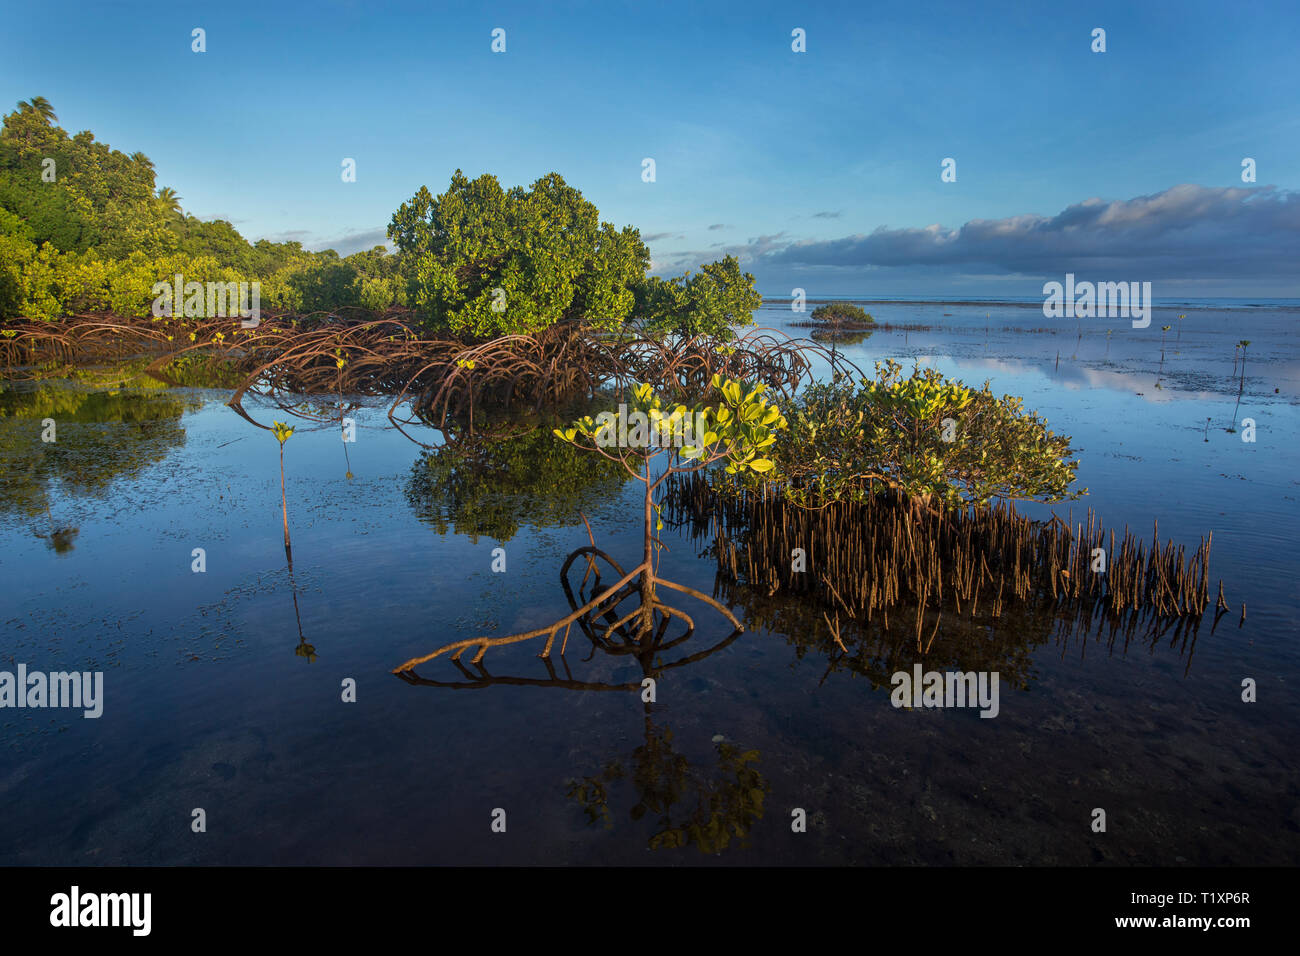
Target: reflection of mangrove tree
841,337
488,486
195,370
692,808
303,649
98,437
1006,645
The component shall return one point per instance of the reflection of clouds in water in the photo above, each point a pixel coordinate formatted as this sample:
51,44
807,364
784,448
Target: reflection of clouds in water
1199,352
1285,376
1071,376
1078,378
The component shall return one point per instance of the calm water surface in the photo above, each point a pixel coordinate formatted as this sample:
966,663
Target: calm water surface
223,688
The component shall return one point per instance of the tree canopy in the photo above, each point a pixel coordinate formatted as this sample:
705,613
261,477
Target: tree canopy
488,261
85,227
923,435
712,302
843,315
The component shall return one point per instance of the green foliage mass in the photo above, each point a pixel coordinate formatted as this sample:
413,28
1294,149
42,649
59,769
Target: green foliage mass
738,428
929,437
85,228
487,261
844,314
710,303
479,485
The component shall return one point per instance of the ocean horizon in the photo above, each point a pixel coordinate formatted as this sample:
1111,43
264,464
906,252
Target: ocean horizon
1159,302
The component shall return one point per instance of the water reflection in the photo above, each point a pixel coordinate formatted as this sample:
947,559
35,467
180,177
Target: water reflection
1007,646
694,808
303,649
1116,732
78,442
59,540
481,484
838,338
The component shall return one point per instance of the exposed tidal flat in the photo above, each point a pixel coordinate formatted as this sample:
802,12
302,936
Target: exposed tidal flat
209,701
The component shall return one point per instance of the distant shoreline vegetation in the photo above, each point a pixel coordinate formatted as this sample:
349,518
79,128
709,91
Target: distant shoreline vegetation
85,229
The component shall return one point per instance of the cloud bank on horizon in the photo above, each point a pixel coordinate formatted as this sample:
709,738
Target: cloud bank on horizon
1187,233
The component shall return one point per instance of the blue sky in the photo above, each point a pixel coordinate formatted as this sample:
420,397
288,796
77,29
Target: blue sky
821,169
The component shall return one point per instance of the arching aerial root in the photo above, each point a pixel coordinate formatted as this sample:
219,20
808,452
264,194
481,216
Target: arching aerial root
602,605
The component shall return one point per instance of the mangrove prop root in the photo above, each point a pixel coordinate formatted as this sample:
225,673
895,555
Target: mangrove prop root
603,603
483,643
446,380
867,558
702,597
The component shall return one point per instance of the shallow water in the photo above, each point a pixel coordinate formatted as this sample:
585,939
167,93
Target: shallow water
213,700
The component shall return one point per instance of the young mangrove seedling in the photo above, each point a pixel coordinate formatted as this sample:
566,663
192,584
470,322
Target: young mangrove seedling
738,429
282,433
1241,384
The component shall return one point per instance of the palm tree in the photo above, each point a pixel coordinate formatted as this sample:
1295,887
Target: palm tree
39,104
142,160
170,202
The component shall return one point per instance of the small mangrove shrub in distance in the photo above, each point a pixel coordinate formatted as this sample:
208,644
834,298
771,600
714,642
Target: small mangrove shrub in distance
843,315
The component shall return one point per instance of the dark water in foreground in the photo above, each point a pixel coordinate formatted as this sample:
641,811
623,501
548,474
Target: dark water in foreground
214,701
